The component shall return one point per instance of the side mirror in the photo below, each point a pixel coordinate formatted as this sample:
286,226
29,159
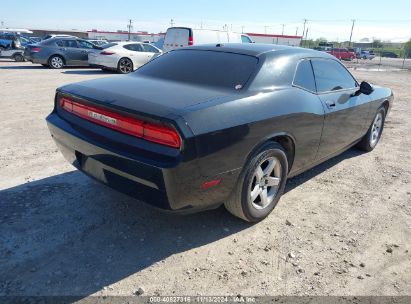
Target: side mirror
365,88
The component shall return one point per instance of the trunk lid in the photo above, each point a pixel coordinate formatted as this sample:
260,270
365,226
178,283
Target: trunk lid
144,95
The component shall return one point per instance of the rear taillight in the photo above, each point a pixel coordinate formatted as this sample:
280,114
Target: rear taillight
35,50
107,53
157,133
190,40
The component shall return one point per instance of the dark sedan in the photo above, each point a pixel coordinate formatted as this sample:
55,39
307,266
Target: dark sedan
207,125
61,51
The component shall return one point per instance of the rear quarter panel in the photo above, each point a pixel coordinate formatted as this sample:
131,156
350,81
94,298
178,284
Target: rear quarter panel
226,133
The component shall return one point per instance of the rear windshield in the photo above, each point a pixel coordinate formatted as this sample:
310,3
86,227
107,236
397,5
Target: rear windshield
208,68
108,45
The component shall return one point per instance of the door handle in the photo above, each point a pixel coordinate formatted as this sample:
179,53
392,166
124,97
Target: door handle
330,104
62,49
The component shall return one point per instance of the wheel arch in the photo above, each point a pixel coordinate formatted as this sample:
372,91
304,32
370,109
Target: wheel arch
125,57
286,140
386,105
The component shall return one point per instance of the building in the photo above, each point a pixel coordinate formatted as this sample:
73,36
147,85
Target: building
276,39
124,36
42,33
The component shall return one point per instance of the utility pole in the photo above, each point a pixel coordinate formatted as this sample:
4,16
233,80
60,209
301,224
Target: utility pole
352,29
302,38
129,28
282,33
242,29
306,36
172,22
296,31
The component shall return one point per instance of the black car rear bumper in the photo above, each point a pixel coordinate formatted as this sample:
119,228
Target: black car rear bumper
173,188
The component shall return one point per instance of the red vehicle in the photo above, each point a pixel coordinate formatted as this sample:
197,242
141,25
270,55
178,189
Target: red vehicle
342,54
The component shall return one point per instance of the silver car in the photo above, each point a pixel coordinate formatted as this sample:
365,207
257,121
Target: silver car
60,51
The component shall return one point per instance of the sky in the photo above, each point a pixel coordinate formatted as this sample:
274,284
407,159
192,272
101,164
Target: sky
385,20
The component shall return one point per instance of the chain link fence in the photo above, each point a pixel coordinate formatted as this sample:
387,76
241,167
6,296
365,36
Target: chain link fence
380,63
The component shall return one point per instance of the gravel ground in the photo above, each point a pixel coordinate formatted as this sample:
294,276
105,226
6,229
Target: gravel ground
342,228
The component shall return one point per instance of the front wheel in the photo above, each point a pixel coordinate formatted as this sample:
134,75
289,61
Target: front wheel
260,184
371,139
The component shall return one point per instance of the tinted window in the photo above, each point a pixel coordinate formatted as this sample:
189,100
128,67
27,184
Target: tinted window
67,43
245,39
133,47
330,75
149,48
85,44
208,68
304,76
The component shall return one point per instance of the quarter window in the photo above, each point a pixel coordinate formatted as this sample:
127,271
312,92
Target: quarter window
330,75
245,39
149,48
304,76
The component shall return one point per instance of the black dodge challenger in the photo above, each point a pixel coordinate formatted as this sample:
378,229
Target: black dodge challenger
207,125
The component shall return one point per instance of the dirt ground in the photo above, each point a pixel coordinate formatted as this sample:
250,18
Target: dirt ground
342,228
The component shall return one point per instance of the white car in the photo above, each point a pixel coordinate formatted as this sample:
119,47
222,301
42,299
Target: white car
124,57
178,37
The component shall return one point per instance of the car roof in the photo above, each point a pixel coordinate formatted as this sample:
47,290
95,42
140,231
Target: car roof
258,49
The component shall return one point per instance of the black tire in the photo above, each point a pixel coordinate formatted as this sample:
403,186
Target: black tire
56,62
125,66
19,58
240,203
373,136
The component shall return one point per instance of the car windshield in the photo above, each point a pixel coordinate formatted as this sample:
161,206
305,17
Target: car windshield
208,68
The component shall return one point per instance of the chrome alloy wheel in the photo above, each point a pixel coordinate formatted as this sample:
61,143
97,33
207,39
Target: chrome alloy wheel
376,129
265,183
56,62
125,66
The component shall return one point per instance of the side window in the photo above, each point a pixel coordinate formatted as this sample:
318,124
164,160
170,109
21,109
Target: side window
85,44
149,48
330,75
245,39
67,43
304,76
138,48
133,47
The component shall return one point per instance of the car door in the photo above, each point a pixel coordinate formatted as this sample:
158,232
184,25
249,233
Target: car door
138,55
345,111
70,51
85,49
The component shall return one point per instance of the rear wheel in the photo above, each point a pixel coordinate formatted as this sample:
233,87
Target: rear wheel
260,185
19,58
371,139
125,66
56,62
